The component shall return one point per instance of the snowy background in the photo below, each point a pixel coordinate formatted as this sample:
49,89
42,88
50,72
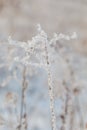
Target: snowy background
19,18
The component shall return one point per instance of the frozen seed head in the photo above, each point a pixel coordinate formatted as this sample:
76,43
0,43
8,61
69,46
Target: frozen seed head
36,46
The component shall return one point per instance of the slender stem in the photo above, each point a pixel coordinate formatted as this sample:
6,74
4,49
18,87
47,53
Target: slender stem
50,84
23,104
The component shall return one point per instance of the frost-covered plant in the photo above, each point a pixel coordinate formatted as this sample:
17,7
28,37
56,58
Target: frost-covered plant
38,52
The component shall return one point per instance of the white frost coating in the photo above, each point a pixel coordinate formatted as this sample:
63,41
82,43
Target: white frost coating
39,47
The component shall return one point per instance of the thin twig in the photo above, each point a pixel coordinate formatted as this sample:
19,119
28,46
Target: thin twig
23,104
50,84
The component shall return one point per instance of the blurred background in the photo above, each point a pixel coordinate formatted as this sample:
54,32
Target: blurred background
18,18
